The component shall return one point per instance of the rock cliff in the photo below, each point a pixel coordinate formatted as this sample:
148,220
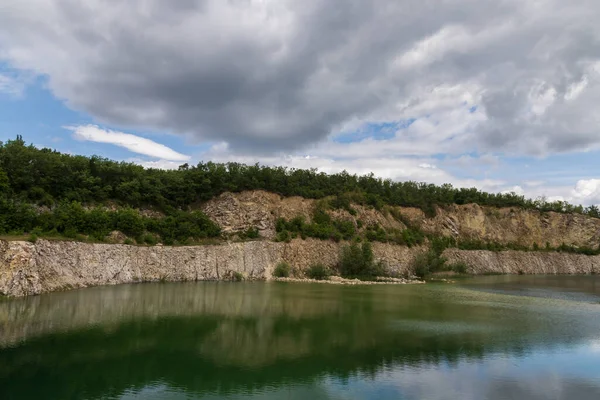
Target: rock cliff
238,211
524,262
45,266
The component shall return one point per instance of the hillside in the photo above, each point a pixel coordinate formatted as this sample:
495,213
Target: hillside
230,221
50,194
470,223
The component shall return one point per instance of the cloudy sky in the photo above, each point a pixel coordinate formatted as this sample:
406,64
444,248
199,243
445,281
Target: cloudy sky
502,94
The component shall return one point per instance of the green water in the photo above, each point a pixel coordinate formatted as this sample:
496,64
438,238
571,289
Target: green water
483,338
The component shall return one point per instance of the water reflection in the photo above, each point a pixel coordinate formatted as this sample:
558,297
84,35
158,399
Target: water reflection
258,340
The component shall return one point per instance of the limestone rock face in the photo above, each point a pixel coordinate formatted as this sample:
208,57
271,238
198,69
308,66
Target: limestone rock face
27,268
235,212
524,262
513,225
46,266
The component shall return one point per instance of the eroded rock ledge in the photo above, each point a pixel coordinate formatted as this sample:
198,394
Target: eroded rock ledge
46,266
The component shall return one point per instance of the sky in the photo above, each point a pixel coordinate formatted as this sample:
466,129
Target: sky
501,95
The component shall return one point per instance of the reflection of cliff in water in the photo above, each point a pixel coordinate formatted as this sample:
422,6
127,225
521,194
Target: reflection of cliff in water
227,338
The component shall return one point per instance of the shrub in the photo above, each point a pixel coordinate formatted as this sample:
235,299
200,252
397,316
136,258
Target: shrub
32,238
321,217
237,277
283,236
459,267
149,239
129,222
343,202
359,261
318,272
376,233
282,270
428,262
413,237
250,233
128,241
280,225
345,228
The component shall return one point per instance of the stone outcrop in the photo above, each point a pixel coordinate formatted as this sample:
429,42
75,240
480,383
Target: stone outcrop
46,266
523,262
235,212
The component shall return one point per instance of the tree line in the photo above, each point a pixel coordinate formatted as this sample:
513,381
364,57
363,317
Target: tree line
46,177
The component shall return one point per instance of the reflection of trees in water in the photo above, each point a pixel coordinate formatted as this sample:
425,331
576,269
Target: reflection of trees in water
37,315
231,338
187,353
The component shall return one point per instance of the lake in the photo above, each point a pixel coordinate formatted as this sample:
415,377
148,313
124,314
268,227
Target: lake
496,337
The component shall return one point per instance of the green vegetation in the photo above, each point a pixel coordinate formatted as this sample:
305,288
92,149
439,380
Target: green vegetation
322,227
282,270
237,277
407,237
318,272
46,177
459,267
358,261
250,233
72,219
44,193
563,248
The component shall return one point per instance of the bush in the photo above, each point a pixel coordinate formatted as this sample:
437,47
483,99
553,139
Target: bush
359,261
149,239
32,238
282,270
237,277
128,241
318,272
250,233
283,236
428,262
459,267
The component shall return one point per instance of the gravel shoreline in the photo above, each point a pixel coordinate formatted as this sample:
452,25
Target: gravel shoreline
336,280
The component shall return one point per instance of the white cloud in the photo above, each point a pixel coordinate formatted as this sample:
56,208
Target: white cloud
334,157
575,89
587,191
515,189
287,74
158,164
276,81
330,157
131,142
